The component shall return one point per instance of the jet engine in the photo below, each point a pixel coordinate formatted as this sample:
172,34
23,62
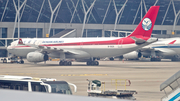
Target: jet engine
37,57
132,55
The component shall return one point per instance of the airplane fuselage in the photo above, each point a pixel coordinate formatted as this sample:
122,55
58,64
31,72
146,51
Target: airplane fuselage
88,47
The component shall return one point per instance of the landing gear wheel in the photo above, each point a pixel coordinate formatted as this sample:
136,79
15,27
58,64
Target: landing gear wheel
92,63
61,63
69,63
4,61
21,62
96,63
88,63
112,59
65,63
155,59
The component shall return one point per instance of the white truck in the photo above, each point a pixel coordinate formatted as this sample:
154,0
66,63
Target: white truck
27,83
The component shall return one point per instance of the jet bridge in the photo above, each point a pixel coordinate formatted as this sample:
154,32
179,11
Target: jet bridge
171,88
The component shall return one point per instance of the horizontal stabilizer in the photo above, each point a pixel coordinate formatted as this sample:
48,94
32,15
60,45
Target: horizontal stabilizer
138,40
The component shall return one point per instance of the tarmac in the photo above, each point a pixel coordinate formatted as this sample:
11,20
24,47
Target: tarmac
145,76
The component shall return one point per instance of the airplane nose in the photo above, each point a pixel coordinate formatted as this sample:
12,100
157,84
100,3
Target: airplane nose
9,48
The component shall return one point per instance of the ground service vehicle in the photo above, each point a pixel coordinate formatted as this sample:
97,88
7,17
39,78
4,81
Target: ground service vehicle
96,88
26,83
9,60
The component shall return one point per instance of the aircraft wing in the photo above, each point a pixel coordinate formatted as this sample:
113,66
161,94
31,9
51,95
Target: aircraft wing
50,49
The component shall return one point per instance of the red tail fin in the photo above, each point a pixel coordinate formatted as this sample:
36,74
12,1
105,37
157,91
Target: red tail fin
20,41
146,25
172,42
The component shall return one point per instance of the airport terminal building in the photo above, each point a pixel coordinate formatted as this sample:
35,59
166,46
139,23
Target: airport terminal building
82,18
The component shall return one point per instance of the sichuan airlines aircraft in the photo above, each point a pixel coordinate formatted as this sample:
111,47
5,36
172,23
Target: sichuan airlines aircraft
85,49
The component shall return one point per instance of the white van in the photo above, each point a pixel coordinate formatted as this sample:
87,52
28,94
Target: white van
9,60
26,83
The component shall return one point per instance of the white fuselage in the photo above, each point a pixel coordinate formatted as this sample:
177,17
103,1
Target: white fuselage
80,47
164,44
166,48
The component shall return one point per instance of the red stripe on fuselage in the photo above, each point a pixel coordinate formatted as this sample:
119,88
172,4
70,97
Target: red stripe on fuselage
121,41
109,42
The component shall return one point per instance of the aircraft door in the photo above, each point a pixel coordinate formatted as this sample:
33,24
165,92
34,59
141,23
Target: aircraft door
81,44
120,43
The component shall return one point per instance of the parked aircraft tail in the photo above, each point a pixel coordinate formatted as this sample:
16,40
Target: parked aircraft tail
172,42
146,25
20,41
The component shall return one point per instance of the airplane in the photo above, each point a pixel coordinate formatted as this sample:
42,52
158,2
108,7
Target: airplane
162,49
85,49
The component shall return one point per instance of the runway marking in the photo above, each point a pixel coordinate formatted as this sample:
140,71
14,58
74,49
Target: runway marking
83,74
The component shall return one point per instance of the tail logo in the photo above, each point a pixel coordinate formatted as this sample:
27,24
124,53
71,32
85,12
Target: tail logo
146,24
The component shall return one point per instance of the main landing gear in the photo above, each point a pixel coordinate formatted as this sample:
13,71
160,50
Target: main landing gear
92,63
155,59
65,63
21,61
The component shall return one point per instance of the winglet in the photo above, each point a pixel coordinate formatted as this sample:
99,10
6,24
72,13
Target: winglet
20,42
146,25
172,42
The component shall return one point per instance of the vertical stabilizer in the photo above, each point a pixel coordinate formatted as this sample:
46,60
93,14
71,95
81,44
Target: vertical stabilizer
20,41
146,25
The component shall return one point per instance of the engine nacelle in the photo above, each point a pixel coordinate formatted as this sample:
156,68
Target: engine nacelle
37,57
132,55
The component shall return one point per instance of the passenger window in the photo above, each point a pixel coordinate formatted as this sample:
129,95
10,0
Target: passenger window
35,41
29,41
14,85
